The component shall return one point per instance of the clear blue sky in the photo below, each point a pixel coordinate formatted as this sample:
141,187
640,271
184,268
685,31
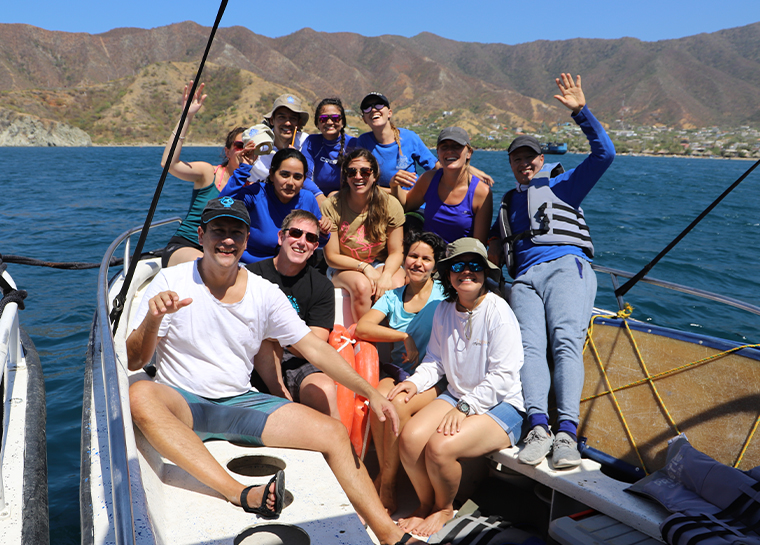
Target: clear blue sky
502,21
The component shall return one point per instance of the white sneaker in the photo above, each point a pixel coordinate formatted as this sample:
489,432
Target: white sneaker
537,445
565,452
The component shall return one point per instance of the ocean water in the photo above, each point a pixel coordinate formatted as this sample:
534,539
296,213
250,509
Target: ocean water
69,204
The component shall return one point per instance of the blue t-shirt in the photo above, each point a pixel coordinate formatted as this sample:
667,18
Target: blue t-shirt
418,326
266,210
322,155
413,151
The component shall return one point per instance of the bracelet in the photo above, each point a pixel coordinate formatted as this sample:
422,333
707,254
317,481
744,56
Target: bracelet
174,133
359,266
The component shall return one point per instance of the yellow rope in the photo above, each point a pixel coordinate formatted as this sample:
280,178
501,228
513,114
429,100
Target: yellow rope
623,315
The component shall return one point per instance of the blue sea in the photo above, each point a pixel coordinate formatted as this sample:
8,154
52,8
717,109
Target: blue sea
69,204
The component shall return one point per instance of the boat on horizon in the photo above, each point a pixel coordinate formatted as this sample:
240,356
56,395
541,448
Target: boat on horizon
130,494
553,148
24,515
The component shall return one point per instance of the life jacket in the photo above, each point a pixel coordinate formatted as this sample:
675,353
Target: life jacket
552,220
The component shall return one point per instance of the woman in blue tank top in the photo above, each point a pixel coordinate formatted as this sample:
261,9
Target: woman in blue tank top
457,204
208,180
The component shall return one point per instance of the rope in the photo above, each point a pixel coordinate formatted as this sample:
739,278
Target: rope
623,315
66,265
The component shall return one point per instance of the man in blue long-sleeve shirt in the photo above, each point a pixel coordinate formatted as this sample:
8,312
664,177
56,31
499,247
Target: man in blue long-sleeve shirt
544,237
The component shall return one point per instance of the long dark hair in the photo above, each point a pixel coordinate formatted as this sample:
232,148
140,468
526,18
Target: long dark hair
283,155
338,104
229,141
448,288
377,208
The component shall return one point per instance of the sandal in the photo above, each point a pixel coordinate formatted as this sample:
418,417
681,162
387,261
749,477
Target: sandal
279,492
406,537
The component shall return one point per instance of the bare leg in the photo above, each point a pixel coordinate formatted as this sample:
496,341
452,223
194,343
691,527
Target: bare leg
327,435
418,431
267,363
183,255
479,435
318,391
359,288
164,417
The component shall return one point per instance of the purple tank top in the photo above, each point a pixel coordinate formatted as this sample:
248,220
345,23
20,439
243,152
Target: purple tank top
449,221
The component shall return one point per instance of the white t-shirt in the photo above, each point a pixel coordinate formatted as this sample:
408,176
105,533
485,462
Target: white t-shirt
207,347
260,167
484,369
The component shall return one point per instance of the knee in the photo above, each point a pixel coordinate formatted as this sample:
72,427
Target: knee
319,383
361,289
412,441
140,398
438,451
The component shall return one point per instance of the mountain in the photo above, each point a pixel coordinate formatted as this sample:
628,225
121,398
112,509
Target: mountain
124,85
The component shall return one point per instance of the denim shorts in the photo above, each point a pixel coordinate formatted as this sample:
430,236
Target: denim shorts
240,419
512,421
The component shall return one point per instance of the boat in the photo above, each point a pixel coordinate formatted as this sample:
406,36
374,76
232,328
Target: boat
553,148
23,456
130,494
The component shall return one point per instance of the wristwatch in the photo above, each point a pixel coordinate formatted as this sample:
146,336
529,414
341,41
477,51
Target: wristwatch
463,407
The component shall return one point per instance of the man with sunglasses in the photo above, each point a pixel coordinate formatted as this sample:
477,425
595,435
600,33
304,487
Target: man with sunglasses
543,236
204,322
283,371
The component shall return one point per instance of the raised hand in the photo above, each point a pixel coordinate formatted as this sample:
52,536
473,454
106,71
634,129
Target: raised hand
166,302
571,93
197,99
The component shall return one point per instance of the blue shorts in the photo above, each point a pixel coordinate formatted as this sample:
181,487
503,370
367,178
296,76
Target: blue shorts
243,417
505,415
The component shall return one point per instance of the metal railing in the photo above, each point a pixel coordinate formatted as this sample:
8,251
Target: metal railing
615,273
117,441
9,352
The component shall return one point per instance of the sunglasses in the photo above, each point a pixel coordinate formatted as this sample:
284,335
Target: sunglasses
474,266
237,144
378,106
297,176
364,171
295,232
324,118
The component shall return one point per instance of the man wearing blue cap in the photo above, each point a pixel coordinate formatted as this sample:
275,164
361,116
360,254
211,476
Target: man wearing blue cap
205,321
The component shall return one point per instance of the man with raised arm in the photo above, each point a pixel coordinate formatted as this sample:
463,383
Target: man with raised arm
544,239
206,320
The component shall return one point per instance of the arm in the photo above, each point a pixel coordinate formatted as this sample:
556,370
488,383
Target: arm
268,364
482,175
198,172
395,245
322,333
142,342
483,209
369,329
323,356
236,183
410,199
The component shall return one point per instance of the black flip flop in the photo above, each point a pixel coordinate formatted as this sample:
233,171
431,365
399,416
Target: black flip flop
279,492
406,537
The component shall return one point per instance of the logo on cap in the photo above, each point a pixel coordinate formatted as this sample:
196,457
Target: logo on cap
291,99
226,201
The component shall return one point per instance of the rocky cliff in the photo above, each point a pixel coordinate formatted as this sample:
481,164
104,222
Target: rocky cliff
28,130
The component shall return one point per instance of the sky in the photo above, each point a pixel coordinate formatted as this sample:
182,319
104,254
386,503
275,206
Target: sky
485,21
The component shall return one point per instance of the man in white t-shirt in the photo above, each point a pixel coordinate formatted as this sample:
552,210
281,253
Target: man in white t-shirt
205,320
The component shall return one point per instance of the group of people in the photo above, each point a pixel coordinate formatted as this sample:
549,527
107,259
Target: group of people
470,373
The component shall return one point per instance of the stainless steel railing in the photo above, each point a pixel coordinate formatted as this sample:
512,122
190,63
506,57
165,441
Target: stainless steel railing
615,273
9,352
117,441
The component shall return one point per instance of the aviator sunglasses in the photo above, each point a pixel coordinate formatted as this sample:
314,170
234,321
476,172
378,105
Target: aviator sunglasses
364,171
474,266
324,118
378,106
295,232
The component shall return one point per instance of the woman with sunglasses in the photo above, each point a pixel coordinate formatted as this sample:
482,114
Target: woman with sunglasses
456,203
475,344
268,203
409,313
208,181
326,150
365,249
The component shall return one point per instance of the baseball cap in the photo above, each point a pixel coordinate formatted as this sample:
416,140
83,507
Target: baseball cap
525,141
225,207
455,134
374,98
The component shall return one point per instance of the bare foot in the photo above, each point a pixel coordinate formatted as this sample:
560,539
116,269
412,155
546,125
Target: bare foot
434,522
411,522
397,539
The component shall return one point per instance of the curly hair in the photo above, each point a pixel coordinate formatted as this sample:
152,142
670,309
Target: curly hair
377,208
436,243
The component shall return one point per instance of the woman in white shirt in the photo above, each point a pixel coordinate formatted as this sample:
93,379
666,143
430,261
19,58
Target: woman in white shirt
475,343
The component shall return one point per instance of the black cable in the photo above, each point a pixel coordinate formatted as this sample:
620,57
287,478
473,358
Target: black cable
66,265
622,290
118,303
